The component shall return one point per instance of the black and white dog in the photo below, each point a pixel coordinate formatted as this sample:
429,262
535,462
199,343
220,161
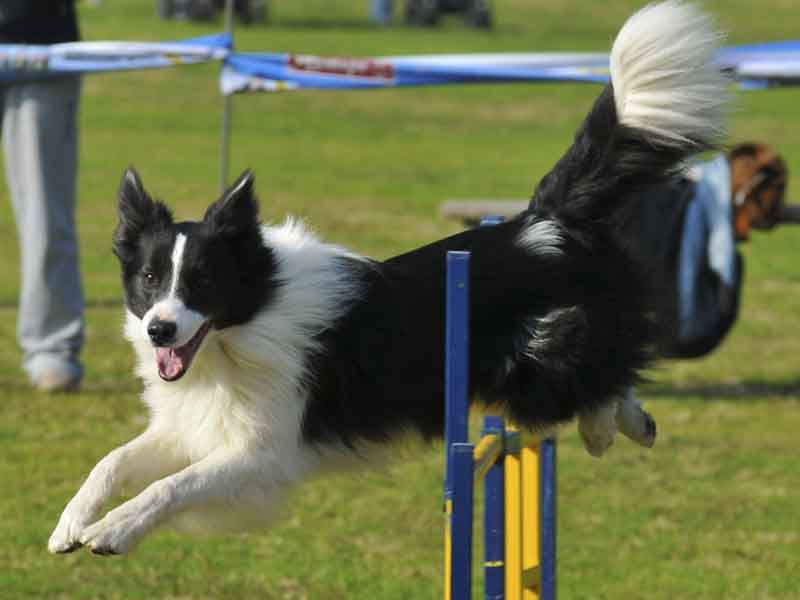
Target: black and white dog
268,355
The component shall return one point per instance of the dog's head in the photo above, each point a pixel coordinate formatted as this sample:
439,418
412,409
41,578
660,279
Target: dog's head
758,183
185,280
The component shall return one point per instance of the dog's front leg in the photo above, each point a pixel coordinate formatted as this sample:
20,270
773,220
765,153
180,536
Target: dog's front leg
219,478
136,464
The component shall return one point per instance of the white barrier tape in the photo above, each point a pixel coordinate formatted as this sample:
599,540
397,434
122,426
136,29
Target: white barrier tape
19,62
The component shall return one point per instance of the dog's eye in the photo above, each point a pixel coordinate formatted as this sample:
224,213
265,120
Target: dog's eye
149,278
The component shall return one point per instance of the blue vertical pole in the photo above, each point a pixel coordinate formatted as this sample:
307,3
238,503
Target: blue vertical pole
456,353
494,520
458,491
548,519
461,457
494,503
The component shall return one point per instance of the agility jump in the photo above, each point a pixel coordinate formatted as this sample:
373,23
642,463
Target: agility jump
519,524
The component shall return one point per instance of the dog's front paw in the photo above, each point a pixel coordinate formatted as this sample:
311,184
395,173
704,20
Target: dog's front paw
116,533
66,536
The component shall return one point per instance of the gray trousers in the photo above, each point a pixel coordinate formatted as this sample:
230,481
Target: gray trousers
381,11
40,147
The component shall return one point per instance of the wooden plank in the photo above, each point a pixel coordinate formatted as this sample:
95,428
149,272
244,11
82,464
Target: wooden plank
471,211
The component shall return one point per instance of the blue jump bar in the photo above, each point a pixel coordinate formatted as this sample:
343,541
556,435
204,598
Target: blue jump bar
548,519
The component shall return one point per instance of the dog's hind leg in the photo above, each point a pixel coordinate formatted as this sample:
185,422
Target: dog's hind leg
598,427
634,422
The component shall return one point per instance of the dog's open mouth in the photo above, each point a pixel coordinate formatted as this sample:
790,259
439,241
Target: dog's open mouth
174,362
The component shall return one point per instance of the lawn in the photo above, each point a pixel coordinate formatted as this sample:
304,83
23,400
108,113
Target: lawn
710,512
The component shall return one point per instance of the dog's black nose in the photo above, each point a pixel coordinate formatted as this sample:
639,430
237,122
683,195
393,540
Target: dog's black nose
161,332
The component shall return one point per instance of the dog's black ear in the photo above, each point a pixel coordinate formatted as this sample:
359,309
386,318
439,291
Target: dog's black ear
137,209
137,212
236,212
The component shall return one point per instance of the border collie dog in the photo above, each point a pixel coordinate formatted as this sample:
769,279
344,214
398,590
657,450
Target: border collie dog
269,355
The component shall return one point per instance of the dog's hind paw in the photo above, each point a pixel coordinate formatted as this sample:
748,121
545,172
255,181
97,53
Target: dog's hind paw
597,429
643,432
596,445
636,423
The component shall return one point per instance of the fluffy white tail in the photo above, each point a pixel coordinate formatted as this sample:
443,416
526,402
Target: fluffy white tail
666,102
665,80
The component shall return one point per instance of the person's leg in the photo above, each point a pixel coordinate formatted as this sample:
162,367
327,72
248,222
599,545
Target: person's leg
40,146
381,11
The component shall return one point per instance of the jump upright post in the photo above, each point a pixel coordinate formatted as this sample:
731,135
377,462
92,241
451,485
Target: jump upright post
519,493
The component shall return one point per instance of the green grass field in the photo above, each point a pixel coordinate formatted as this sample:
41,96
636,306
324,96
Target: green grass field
711,512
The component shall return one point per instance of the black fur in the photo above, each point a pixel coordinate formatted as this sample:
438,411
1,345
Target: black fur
142,242
381,369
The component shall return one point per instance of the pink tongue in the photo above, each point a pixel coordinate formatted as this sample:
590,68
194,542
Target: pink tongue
170,365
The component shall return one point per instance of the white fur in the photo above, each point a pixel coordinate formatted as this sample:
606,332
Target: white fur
543,238
223,444
177,262
664,75
541,330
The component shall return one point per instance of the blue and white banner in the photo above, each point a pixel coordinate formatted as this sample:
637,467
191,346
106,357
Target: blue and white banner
753,66
20,62
244,72
763,65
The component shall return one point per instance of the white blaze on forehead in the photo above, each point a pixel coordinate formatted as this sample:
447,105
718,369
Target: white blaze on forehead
168,307
177,262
